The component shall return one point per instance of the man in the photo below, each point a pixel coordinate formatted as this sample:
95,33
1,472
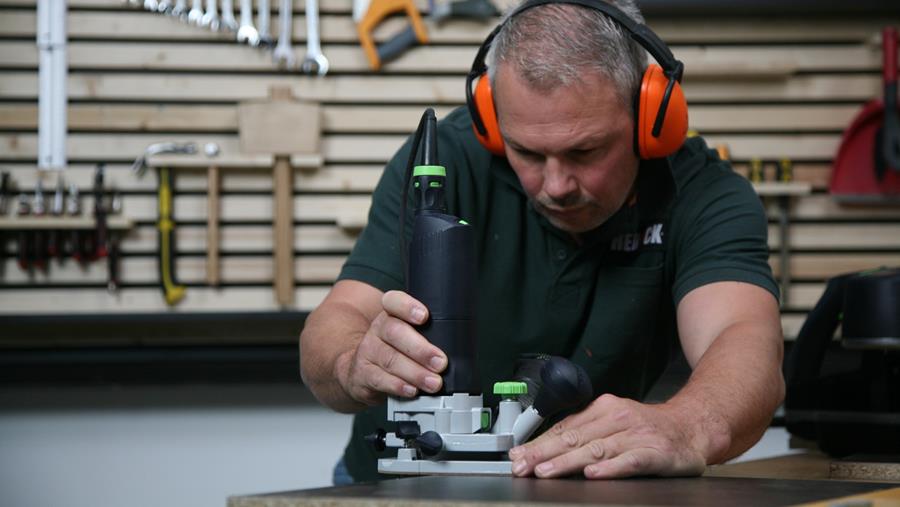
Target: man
584,251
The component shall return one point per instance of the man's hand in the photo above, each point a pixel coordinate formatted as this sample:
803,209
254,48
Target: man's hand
392,358
615,437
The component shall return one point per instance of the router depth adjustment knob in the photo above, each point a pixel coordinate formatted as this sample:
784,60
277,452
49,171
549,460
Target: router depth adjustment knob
430,443
511,389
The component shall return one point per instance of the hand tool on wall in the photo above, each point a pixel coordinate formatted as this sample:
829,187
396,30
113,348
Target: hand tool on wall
756,171
247,33
284,53
79,241
23,247
210,18
172,292
315,62
112,259
101,233
228,21
867,166
480,10
55,237
151,5
281,126
39,236
179,10
262,24
196,13
4,209
368,14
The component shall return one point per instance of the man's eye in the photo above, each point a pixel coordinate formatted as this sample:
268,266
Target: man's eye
530,155
581,153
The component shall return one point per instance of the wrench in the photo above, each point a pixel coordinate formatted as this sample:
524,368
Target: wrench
283,53
228,21
315,62
246,32
151,5
180,9
262,23
164,6
210,18
196,12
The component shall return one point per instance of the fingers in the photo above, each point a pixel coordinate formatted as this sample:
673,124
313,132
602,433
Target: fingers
604,417
640,461
393,358
388,356
403,306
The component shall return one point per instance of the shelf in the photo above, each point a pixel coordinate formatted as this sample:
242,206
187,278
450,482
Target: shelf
66,223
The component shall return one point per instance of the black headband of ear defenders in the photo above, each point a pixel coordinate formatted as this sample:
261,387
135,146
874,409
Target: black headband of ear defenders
672,67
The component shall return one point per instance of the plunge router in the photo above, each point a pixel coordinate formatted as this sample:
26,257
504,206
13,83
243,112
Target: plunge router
452,432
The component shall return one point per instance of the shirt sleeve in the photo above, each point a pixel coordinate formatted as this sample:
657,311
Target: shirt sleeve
720,229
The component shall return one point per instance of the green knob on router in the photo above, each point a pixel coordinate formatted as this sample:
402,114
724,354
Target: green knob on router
510,388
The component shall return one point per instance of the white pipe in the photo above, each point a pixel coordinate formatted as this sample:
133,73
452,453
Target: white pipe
52,70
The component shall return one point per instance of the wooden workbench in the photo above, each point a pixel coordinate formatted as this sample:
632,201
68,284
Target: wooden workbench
789,480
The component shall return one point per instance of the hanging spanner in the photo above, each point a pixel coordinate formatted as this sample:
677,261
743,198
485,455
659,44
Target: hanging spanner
151,5
196,12
210,18
247,33
262,23
284,53
228,21
180,9
315,62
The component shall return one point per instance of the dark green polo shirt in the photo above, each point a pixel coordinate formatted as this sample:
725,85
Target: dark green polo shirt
607,303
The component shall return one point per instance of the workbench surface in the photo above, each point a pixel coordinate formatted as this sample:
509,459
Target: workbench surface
493,491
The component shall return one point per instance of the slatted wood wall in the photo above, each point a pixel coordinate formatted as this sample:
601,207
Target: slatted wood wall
768,87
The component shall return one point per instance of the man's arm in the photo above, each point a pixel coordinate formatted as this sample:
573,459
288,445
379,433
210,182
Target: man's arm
359,346
731,335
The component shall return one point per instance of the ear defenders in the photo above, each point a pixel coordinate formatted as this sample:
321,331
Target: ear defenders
661,119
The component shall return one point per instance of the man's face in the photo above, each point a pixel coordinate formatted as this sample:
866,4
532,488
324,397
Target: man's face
571,147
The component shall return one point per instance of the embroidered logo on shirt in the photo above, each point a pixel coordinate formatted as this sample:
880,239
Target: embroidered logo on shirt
631,241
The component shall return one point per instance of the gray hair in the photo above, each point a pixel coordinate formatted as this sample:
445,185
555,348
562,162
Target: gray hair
557,44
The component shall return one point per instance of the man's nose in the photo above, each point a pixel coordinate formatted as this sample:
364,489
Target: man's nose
559,184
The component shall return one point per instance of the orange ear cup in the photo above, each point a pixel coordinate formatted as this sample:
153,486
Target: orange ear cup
653,88
484,99
675,124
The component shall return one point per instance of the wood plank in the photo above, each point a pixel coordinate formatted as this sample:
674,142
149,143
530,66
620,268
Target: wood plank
716,61
238,239
191,270
130,24
197,299
839,236
824,207
402,119
330,178
822,266
394,89
380,147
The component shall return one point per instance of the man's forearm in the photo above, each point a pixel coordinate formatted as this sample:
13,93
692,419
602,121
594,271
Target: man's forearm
327,342
734,389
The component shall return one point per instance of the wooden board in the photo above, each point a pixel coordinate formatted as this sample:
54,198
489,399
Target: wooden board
484,491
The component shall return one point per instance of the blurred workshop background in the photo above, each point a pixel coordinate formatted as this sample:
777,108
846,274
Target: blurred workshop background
182,182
